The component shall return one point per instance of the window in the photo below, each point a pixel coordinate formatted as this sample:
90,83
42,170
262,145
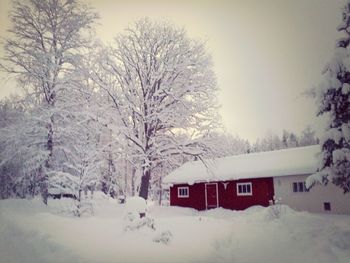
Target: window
327,206
244,189
182,192
299,187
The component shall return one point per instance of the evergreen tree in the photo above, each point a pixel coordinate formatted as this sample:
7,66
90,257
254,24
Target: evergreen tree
334,102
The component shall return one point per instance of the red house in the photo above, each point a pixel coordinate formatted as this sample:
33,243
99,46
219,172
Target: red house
236,195
237,182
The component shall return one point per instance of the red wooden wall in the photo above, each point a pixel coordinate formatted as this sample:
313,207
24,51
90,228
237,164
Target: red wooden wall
195,200
263,191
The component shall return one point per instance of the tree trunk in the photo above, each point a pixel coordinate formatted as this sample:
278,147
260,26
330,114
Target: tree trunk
145,183
133,172
160,190
126,178
79,195
44,190
44,186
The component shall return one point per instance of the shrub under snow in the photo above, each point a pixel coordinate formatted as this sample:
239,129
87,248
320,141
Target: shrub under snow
135,208
163,237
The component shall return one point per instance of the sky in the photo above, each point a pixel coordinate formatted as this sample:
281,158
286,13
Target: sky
266,53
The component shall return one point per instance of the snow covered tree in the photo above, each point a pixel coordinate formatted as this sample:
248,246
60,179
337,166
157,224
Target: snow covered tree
285,136
45,46
224,144
10,111
333,100
308,137
8,172
162,86
292,140
269,142
22,147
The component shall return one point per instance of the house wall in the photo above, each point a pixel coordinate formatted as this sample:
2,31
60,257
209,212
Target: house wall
312,201
195,200
262,189
262,192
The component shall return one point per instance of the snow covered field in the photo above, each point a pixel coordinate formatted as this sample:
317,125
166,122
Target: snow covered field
32,232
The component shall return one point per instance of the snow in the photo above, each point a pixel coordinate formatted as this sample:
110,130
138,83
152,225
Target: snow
33,233
136,204
340,155
333,134
293,161
346,131
346,88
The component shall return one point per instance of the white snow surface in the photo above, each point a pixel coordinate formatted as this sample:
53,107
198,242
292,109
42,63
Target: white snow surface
136,204
34,233
292,161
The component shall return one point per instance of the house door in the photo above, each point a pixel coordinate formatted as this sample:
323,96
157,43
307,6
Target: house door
211,195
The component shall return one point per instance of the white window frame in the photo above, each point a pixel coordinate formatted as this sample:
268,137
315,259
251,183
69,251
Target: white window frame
303,190
179,195
244,194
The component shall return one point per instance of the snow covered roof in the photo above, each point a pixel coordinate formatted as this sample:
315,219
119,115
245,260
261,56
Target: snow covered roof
293,161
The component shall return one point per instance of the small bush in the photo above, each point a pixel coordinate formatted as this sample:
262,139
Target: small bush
84,207
275,208
134,222
164,237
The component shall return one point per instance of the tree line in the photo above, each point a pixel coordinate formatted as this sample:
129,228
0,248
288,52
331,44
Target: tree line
90,113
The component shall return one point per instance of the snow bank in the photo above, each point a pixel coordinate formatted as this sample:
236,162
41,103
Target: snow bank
18,244
31,232
172,211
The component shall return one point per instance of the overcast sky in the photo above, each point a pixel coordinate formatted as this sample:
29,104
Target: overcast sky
266,53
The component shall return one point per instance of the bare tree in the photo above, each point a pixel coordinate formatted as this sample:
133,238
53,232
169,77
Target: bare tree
162,86
45,45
